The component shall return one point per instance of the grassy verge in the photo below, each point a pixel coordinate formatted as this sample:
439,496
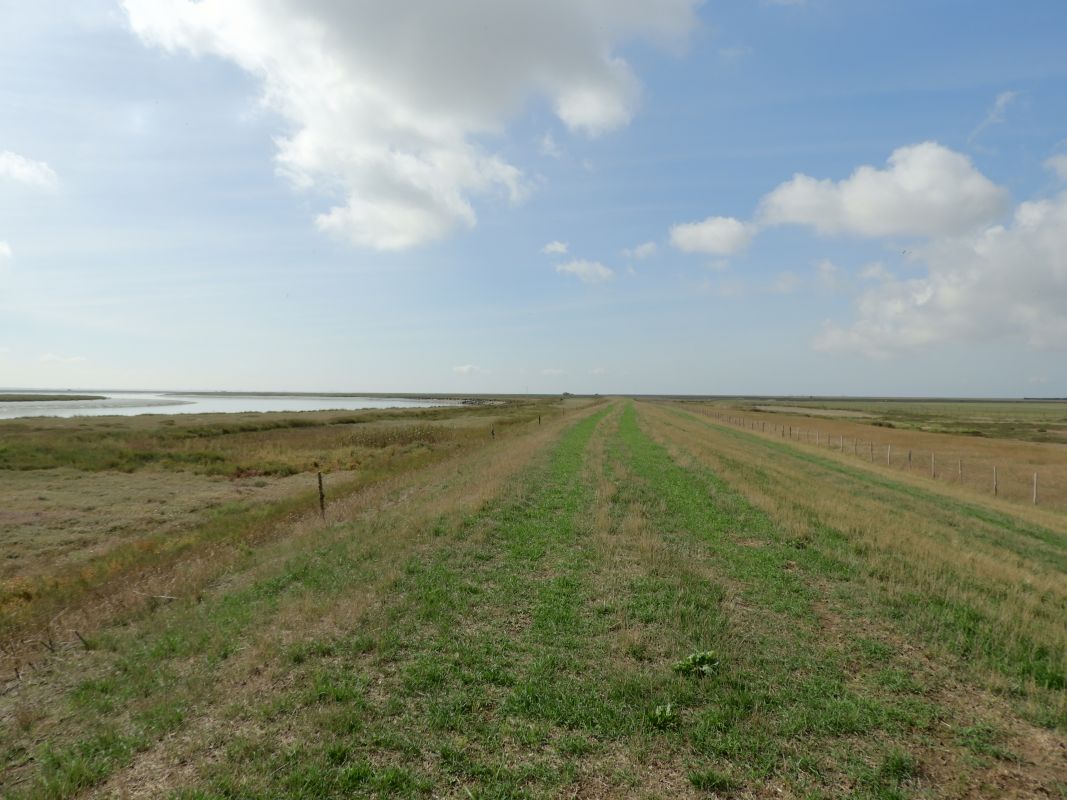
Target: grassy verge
999,606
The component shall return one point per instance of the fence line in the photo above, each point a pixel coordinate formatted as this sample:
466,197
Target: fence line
804,435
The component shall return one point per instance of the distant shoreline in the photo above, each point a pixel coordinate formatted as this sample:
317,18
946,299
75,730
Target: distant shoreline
37,398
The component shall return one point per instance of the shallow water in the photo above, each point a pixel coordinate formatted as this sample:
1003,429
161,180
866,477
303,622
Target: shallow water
128,404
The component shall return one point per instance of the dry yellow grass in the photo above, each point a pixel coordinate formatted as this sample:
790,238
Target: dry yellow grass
394,519
954,455
915,549
96,544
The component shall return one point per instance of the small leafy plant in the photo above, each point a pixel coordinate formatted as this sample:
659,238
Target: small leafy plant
698,664
663,717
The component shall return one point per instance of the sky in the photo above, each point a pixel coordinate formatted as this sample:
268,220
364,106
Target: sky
787,197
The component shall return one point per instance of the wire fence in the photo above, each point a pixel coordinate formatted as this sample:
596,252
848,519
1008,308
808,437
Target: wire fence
1008,480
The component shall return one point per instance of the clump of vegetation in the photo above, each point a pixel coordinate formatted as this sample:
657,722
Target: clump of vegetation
663,717
698,664
710,780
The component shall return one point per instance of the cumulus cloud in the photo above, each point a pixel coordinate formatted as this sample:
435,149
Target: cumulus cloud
586,271
1058,164
35,174
387,104
925,190
470,369
721,236
1003,282
641,251
5,251
555,248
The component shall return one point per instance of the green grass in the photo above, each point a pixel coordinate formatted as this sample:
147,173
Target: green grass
617,620
968,631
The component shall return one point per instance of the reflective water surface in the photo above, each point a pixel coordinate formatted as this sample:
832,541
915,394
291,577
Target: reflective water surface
131,403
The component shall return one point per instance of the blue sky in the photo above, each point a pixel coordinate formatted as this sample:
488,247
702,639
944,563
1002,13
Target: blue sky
821,197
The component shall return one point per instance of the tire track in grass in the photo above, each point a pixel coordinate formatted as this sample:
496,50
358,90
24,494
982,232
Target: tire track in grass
968,631
445,691
967,750
139,688
786,711
1044,543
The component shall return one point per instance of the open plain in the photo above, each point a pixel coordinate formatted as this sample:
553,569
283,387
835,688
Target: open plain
544,598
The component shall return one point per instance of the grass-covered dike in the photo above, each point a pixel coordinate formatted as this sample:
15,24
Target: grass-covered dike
602,605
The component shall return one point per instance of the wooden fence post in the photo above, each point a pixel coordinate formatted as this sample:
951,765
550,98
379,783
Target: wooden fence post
932,473
994,480
889,455
1035,488
322,499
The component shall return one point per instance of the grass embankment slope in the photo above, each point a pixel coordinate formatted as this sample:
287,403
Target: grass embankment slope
100,516
964,444
518,624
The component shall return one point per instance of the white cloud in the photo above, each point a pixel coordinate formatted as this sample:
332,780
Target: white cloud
386,103
995,115
470,369
641,251
721,236
926,190
586,271
556,248
551,372
1006,282
598,371
1058,164
876,272
5,252
35,174
549,147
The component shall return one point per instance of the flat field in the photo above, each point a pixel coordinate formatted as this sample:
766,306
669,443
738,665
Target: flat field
971,445
1025,420
629,599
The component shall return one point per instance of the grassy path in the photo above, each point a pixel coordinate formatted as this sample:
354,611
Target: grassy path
987,586
618,622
